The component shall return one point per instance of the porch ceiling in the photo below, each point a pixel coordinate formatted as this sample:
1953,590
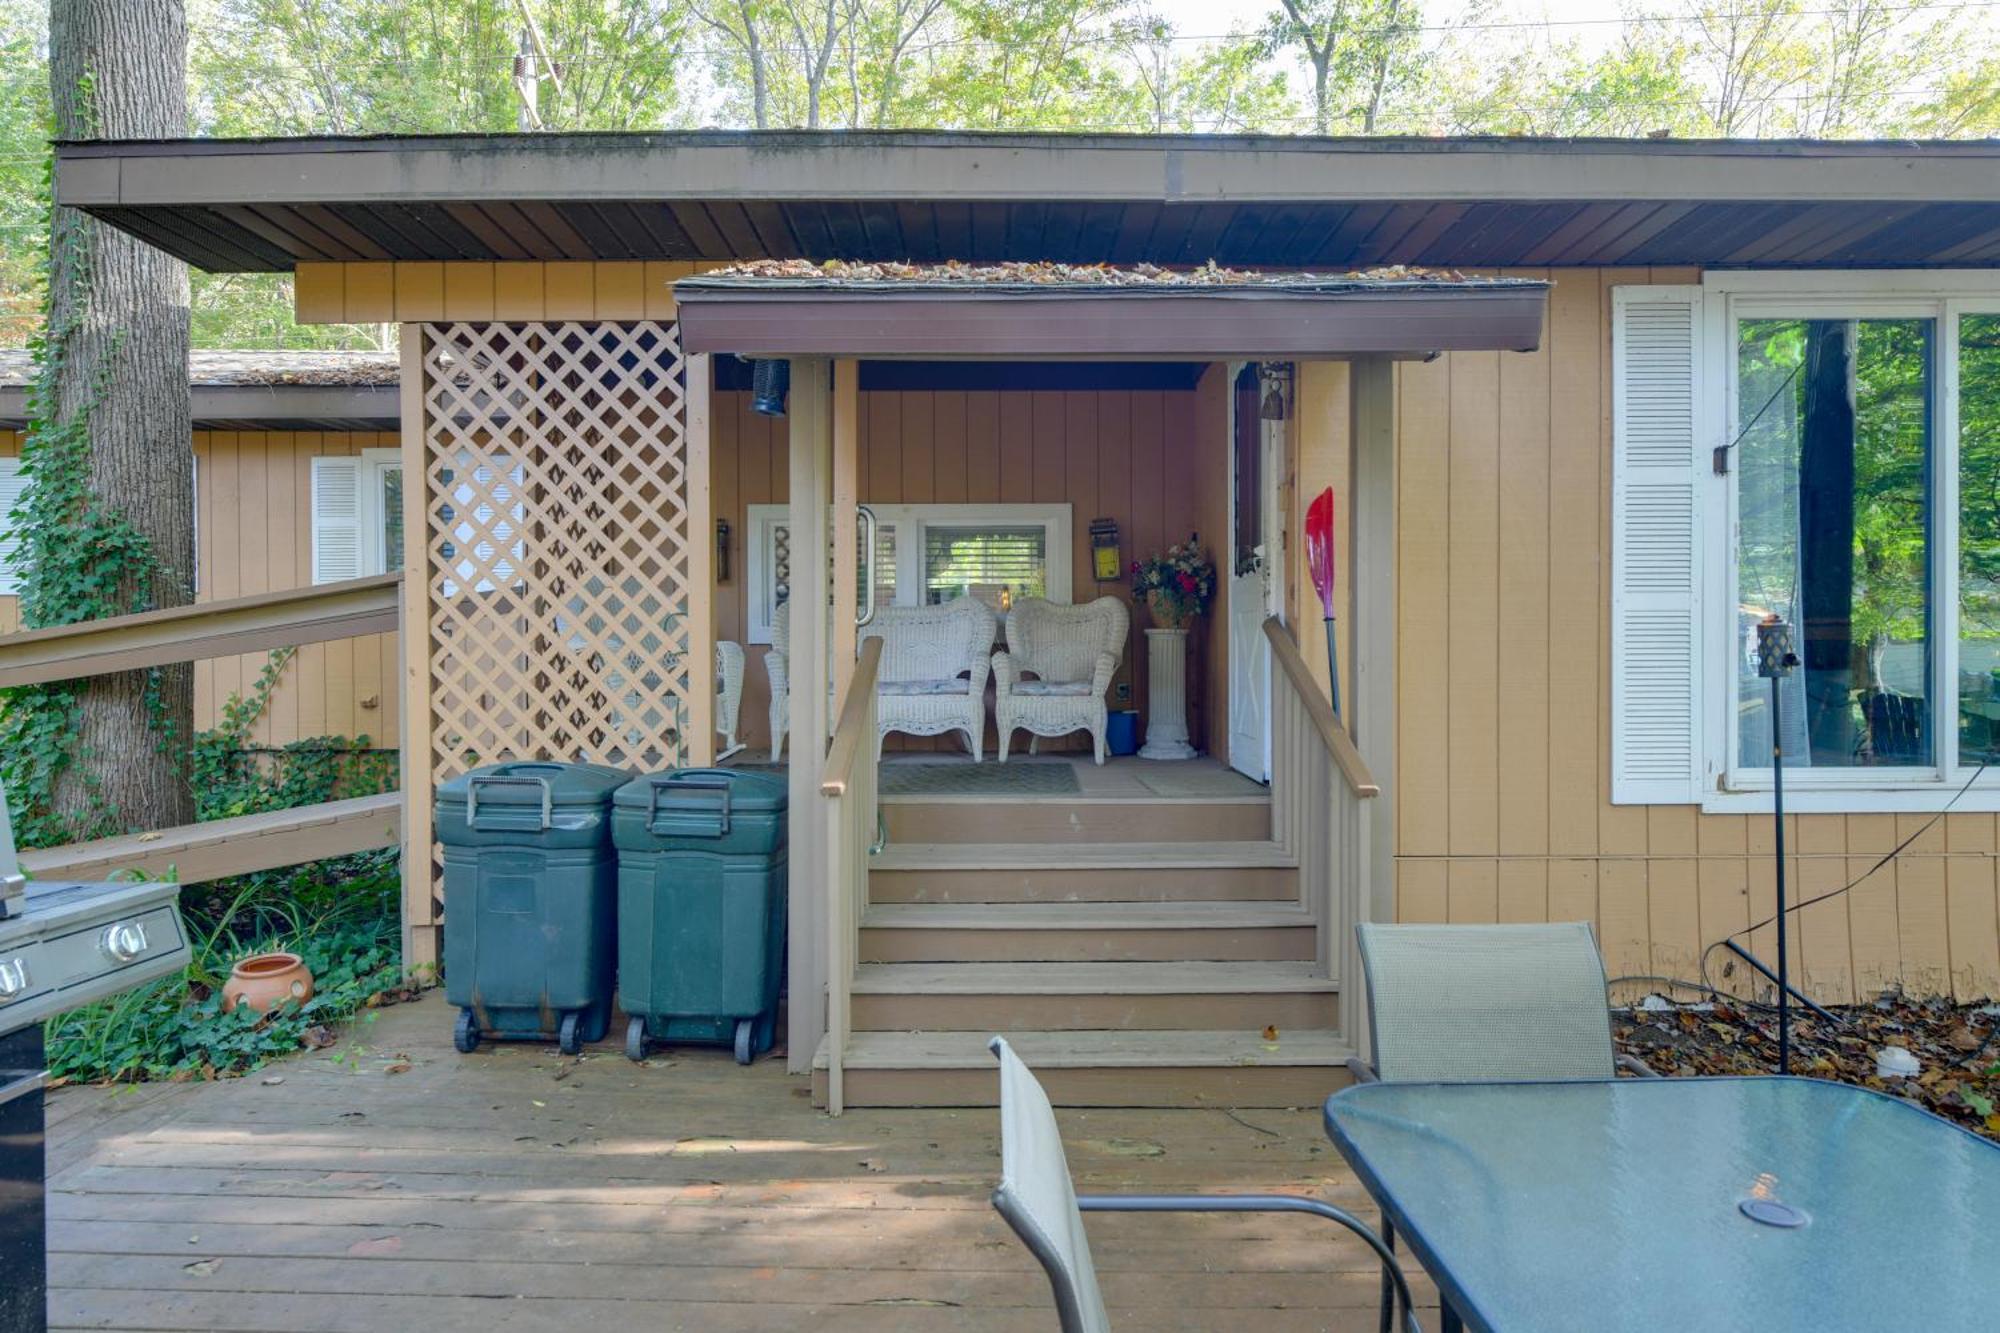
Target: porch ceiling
1248,201
1328,318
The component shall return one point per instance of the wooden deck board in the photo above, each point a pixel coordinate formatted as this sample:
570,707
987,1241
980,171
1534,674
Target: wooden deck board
513,1189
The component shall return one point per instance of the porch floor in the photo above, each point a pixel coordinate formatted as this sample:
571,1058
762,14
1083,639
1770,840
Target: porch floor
1120,777
389,1182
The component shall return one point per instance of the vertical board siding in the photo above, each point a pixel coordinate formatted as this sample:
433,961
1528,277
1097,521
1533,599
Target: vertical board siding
1503,807
253,494
1140,457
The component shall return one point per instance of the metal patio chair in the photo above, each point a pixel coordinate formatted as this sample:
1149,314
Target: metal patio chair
1041,1205
1476,1004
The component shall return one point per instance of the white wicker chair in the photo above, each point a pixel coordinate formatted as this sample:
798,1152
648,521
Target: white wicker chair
728,695
1072,653
777,665
925,652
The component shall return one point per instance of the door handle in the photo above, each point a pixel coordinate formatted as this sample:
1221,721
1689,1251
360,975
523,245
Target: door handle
872,526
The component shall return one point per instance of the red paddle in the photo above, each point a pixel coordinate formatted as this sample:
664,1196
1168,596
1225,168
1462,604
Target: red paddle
1319,560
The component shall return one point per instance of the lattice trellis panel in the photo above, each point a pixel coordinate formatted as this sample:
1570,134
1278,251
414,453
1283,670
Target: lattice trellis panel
557,541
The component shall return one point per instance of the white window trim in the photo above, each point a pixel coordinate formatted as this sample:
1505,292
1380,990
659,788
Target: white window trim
375,555
1944,295
909,520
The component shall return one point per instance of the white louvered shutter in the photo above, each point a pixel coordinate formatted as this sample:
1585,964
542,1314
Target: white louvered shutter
12,485
336,519
1656,567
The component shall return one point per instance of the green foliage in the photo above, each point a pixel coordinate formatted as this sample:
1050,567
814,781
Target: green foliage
340,916
234,777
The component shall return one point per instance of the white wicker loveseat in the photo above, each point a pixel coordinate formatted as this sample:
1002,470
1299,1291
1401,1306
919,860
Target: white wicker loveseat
777,665
934,669
1072,653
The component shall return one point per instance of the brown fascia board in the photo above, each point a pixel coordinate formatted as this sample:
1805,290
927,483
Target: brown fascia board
379,406
1167,323
944,167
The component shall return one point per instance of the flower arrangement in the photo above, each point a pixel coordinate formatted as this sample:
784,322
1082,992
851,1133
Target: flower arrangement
1177,584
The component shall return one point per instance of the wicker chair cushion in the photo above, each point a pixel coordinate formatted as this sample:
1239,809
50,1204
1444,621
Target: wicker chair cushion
908,687
1050,688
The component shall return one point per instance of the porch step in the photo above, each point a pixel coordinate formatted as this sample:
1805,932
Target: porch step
1164,1068
1084,932
1076,820
1051,996
1016,872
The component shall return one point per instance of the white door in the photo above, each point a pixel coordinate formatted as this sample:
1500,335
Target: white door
1254,551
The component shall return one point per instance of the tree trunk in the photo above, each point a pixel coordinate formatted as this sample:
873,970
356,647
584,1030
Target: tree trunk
118,320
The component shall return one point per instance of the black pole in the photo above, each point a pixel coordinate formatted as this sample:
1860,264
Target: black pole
1775,661
1332,667
1778,814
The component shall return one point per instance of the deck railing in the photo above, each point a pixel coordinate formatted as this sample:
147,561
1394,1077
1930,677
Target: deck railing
848,783
1321,810
222,847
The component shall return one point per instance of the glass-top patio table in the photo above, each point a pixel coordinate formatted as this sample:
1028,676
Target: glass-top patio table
1619,1205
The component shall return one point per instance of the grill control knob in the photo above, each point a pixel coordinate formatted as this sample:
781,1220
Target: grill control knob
123,941
13,978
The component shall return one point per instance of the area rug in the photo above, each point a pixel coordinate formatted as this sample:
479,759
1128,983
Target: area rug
1176,780
988,779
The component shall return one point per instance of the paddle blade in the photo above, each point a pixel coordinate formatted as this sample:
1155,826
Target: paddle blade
1319,547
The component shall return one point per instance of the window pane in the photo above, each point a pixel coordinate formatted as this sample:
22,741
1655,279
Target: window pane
1979,539
1834,535
392,519
994,564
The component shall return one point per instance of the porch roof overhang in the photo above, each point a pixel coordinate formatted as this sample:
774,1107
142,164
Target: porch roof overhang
263,390
1242,200
1302,320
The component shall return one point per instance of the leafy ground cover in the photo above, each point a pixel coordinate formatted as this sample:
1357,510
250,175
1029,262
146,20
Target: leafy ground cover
1957,1048
340,915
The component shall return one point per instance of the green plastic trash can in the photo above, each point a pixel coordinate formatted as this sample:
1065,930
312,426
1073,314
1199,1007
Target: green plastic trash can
530,893
701,908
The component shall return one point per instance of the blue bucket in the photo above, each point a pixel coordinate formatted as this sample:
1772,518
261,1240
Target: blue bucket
1121,733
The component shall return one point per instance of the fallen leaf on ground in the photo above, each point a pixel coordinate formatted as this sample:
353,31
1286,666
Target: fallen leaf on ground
399,1067
202,1267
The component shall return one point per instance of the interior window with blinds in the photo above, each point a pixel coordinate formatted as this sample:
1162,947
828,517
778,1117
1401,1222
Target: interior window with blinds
995,564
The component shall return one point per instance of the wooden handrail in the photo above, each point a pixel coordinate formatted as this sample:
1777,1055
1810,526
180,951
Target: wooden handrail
198,853
1339,745
847,737
205,630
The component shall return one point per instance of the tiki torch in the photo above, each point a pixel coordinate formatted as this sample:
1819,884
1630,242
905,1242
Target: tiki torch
1775,661
1319,559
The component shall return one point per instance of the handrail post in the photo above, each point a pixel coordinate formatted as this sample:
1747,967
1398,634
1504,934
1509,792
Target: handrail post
848,784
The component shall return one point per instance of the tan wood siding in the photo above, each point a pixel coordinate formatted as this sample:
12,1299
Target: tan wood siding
1503,709
1130,455
253,503
384,293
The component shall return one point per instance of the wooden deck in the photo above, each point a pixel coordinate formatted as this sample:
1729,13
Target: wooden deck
389,1183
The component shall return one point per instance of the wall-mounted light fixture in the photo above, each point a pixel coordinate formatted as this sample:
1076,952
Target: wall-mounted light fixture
1104,559
722,550
769,382
1277,377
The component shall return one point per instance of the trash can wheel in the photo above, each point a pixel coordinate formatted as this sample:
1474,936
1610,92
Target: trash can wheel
569,1037
635,1040
465,1034
744,1028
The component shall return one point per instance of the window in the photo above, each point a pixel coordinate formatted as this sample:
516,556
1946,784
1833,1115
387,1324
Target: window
12,485
927,554
1825,448
357,514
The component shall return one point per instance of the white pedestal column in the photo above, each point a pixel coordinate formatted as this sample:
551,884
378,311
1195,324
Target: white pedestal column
1166,696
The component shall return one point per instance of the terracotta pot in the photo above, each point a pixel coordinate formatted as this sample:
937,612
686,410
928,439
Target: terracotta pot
1165,612
265,980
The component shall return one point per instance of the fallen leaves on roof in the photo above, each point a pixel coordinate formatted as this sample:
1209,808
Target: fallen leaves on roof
1046,274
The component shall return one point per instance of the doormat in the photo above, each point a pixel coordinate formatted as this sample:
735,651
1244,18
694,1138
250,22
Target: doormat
988,779
1169,779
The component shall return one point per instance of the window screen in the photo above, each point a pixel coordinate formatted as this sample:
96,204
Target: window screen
994,564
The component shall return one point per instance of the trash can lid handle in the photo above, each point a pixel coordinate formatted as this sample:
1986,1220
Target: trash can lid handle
719,783
479,780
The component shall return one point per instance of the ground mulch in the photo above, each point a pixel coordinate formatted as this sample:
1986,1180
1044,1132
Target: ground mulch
1957,1048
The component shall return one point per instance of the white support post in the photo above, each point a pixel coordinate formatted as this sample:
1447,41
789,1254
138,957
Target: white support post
1373,560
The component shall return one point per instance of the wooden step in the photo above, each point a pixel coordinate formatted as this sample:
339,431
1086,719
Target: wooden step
1002,997
975,872
1162,1068
1084,932
984,819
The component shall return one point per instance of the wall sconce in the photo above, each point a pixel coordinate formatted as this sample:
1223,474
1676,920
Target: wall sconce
1277,377
769,382
722,550
1104,558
